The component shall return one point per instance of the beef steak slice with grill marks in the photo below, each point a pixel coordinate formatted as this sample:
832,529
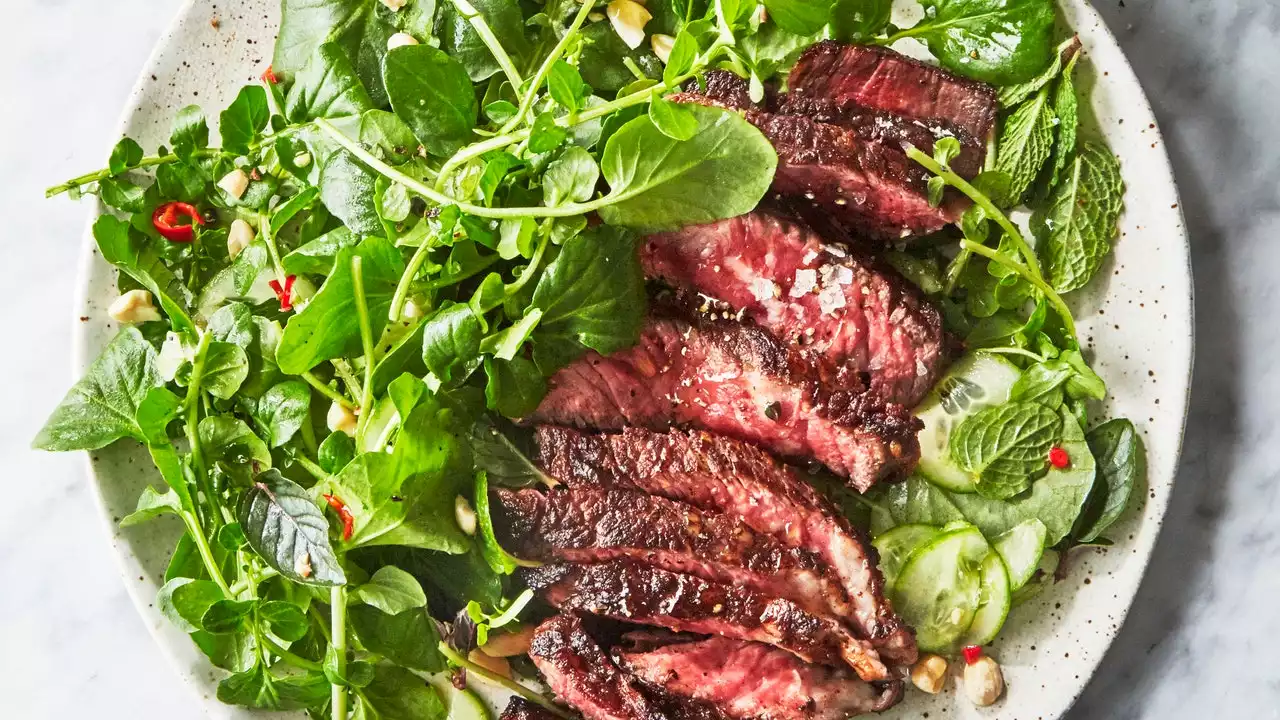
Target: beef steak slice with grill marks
520,709
747,680
595,524
737,380
835,301
628,591
722,475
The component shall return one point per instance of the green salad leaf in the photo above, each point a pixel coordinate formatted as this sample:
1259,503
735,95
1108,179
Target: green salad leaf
995,41
1122,473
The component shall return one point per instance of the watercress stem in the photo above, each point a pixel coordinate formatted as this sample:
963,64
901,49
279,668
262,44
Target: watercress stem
1054,299
532,268
366,340
401,295
264,225
192,423
1013,351
531,93
311,467
491,41
338,627
471,272
291,658
206,553
327,391
982,201
507,683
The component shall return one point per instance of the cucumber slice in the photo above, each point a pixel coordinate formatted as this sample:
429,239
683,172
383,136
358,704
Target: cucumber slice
1021,548
993,607
461,704
938,591
976,381
896,547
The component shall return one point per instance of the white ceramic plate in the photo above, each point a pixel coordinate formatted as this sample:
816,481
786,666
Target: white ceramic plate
1138,322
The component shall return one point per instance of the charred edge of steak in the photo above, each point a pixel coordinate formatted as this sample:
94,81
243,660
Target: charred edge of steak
747,680
520,709
592,524
583,675
829,62
720,474
625,590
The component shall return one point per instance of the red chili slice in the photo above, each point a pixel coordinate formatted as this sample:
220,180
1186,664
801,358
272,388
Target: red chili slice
972,653
168,221
348,520
1059,458
284,292
269,76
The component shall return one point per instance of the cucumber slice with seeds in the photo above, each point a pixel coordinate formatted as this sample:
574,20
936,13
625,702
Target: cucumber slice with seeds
897,546
976,381
995,599
938,592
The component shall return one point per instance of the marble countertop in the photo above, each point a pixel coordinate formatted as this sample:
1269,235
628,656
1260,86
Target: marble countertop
1199,640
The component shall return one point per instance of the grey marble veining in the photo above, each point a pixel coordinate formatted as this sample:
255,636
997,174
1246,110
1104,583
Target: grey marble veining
1199,641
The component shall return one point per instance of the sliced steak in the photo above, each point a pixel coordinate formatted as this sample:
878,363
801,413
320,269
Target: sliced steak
737,380
581,674
629,591
721,475
747,680
857,84
594,524
520,709
870,186
840,303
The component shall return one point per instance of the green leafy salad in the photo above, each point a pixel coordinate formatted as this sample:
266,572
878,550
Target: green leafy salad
427,207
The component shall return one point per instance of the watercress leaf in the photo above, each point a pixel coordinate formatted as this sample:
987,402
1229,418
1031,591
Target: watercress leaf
335,452
234,323
680,61
995,41
244,119
1005,447
190,132
386,131
516,235
515,386
565,85
602,60
451,343
225,368
347,190
505,456
1025,145
121,194
288,531
329,327
408,638
397,694
460,40
305,25
224,438
287,620
392,591
126,154
546,135
432,93
1122,471
800,16
327,87
282,411
675,120
771,50
505,343
179,181
591,297
151,505
1067,108
499,560
860,20
572,177
227,616
245,278
1077,227
1038,382
393,203
495,170
316,257
103,406
257,688
500,111
658,183
121,246
183,601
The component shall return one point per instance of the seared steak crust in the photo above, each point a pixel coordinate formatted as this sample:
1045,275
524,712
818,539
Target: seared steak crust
582,674
520,709
737,380
626,590
835,301
873,188
594,524
721,475
750,681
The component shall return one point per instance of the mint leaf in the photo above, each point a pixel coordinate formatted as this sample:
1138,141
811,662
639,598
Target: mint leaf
1067,108
1076,229
1006,446
1025,145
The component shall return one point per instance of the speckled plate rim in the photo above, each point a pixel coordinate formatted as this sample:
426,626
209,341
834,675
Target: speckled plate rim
200,677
